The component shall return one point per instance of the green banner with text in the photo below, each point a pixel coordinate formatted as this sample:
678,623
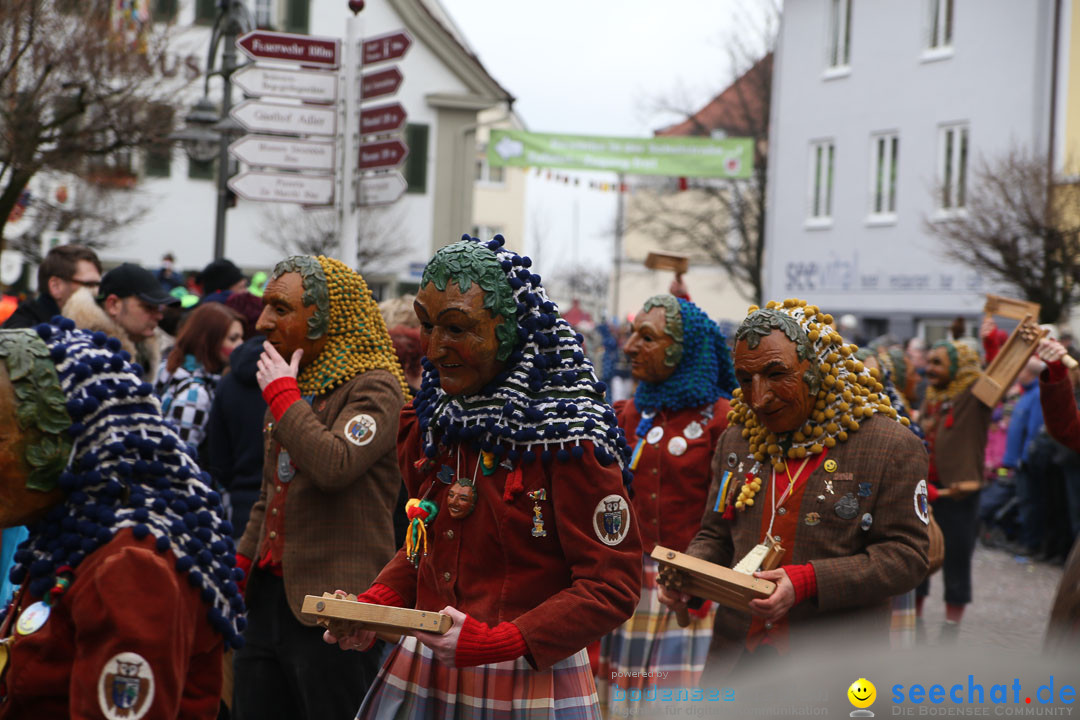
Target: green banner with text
672,156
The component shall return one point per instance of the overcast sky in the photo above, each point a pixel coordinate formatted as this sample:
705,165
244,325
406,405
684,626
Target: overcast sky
598,67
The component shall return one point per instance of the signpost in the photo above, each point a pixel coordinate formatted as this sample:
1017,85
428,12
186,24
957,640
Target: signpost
263,116
322,52
307,85
283,152
382,119
386,153
386,47
378,84
381,189
283,187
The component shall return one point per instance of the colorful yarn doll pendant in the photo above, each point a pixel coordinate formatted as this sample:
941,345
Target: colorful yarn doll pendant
420,514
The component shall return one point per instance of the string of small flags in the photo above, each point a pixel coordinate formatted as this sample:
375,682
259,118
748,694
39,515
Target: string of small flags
671,184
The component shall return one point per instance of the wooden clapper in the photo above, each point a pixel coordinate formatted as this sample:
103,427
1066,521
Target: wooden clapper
733,588
340,614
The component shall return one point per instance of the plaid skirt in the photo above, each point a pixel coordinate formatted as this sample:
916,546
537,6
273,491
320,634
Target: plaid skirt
652,642
413,684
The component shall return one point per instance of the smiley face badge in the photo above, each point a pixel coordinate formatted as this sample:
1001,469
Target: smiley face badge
862,695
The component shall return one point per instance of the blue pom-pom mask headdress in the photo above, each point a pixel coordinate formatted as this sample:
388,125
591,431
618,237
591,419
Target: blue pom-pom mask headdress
127,469
704,373
547,400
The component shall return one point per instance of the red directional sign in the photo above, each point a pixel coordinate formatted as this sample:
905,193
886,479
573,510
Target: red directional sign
386,47
305,49
377,84
384,118
387,153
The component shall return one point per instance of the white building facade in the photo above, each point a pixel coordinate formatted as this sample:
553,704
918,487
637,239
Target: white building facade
444,89
880,112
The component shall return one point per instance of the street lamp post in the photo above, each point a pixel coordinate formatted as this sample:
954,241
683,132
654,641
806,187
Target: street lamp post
208,131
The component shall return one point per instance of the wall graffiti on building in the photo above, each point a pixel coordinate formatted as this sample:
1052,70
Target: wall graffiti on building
840,274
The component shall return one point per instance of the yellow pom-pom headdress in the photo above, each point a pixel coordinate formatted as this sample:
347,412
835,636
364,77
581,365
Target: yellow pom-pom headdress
847,393
357,340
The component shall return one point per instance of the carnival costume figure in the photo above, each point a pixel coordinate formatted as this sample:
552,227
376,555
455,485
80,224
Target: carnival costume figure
128,587
956,424
521,528
815,460
324,517
685,378
1058,399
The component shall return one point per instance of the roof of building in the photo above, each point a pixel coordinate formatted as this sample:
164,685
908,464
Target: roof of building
736,111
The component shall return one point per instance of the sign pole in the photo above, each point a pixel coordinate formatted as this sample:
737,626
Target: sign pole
346,200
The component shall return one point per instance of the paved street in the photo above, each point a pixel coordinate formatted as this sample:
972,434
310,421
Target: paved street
1012,600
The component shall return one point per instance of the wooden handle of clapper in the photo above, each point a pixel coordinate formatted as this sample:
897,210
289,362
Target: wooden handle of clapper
1068,362
682,617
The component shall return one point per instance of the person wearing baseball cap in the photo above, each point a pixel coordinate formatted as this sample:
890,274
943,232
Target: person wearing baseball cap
128,306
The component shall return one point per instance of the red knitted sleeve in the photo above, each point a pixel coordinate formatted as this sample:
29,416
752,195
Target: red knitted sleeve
804,579
479,644
280,395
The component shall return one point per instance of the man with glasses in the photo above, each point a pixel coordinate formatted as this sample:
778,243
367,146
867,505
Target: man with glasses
128,306
63,271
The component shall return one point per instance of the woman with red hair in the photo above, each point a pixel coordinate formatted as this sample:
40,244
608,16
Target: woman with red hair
188,377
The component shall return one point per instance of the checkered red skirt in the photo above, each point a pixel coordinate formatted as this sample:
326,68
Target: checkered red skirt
413,684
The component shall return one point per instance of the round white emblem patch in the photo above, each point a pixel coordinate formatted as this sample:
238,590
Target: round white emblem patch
922,503
126,687
360,430
611,519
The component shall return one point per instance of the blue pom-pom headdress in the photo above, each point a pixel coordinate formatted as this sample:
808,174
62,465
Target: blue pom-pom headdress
128,469
547,400
705,372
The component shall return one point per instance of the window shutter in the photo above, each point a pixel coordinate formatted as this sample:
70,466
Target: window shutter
415,170
296,16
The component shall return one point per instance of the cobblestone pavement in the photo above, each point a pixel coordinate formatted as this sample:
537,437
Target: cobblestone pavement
1011,602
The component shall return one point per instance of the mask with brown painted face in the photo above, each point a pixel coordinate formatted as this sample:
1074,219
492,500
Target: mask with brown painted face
648,346
457,335
773,382
938,367
284,319
19,505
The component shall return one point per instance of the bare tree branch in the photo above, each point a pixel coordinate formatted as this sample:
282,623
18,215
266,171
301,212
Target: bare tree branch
1018,230
315,232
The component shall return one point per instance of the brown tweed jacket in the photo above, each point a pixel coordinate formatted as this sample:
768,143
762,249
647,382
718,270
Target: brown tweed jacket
339,509
857,570
960,450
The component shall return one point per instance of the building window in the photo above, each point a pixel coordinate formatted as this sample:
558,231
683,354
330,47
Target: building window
163,10
296,16
264,14
415,170
486,232
201,170
205,11
885,152
822,160
492,174
157,160
941,24
952,167
840,34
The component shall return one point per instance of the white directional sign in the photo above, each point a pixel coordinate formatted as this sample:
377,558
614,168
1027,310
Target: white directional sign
381,189
284,187
282,152
309,85
264,116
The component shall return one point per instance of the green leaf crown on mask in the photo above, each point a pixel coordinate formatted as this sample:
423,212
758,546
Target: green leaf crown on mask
466,262
41,407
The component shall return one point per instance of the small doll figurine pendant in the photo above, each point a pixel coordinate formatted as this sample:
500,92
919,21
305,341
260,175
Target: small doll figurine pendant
538,519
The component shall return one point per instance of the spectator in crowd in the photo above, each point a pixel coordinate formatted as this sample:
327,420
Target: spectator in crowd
234,442
166,275
1024,460
187,379
250,307
63,271
221,277
128,307
914,387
